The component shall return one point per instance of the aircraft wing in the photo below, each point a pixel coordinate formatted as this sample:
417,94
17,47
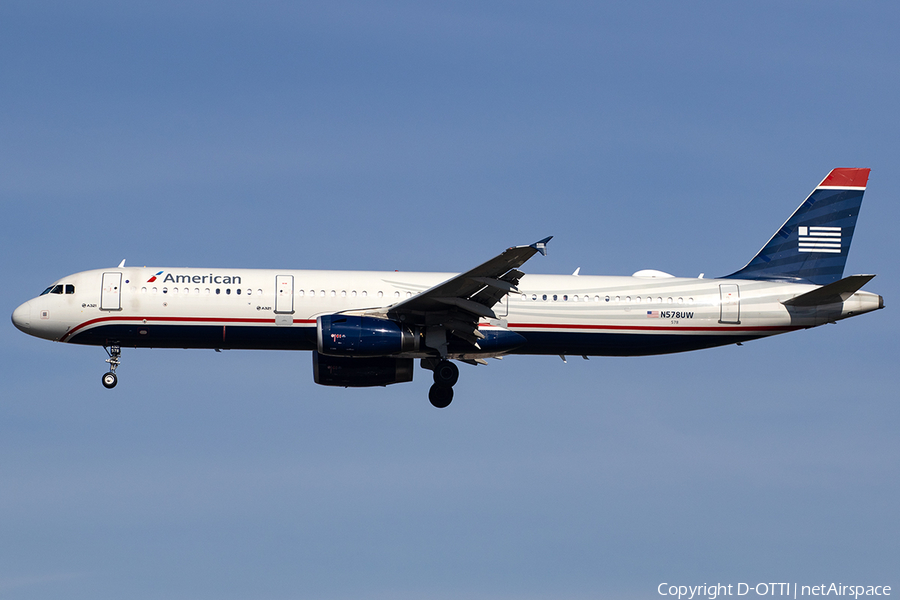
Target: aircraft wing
456,305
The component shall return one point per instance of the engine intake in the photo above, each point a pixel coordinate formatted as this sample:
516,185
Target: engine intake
347,335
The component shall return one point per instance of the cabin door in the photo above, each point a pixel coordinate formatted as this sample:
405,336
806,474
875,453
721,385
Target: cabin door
730,304
111,292
284,294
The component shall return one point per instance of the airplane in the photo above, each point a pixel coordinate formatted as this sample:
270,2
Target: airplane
366,328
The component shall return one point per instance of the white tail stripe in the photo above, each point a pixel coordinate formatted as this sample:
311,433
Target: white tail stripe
831,250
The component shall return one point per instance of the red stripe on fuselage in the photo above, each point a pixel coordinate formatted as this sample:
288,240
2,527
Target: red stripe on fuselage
648,327
224,320
512,326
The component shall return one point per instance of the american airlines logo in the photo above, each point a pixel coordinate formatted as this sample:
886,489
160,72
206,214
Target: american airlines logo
820,239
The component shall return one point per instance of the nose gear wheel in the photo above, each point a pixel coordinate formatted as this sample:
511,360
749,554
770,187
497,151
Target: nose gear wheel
109,379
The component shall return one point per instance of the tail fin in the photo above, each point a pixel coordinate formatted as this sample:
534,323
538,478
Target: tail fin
812,245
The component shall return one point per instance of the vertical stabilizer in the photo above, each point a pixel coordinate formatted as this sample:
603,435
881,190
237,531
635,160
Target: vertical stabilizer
812,245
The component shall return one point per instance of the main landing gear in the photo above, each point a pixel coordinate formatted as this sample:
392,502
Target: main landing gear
109,379
446,374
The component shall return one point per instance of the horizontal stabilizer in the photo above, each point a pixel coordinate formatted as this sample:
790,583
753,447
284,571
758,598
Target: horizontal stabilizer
831,293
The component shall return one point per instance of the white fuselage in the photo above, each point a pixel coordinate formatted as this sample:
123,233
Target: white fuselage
277,309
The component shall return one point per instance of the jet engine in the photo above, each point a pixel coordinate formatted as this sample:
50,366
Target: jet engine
352,336
361,372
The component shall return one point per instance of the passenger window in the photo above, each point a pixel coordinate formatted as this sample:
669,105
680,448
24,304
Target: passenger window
238,291
607,298
380,294
165,290
365,293
218,291
143,290
554,297
70,289
227,291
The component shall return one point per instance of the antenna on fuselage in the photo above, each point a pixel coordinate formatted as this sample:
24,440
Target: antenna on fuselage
121,264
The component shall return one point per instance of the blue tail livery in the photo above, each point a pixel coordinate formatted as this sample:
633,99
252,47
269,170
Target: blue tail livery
812,246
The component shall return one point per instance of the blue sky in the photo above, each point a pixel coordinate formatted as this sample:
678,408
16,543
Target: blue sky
414,136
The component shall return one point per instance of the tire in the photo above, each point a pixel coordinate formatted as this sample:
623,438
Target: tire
446,373
110,380
440,396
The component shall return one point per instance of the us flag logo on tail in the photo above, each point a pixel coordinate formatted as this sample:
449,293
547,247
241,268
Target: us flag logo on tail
819,239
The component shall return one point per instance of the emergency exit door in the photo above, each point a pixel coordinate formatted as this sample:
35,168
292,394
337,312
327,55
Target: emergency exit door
111,292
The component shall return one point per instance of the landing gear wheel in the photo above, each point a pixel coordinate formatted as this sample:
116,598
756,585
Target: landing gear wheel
446,373
110,380
440,396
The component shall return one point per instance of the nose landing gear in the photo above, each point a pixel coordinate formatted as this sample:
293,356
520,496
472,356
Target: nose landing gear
109,379
446,374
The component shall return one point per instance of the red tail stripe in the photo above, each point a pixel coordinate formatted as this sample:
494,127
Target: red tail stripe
846,178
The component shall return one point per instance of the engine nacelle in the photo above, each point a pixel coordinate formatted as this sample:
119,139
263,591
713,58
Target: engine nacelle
361,372
347,335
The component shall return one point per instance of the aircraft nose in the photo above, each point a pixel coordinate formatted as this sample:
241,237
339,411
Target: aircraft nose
21,317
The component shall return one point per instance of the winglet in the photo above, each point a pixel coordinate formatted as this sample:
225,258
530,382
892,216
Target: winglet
541,245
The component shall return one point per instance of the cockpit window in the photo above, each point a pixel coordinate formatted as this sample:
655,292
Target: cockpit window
70,289
55,289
